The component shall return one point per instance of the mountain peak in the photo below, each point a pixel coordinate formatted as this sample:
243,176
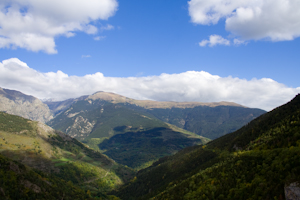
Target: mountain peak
149,104
109,96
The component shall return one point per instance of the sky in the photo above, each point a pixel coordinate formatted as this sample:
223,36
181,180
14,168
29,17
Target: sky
198,50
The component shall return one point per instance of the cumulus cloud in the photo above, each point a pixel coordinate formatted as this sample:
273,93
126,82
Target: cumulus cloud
200,86
33,24
275,20
214,40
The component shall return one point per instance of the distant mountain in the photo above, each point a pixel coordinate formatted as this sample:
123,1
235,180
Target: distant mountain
132,137
61,167
57,107
17,103
162,128
209,120
259,161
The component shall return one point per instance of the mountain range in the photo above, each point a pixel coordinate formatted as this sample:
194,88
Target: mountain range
134,132
210,120
260,160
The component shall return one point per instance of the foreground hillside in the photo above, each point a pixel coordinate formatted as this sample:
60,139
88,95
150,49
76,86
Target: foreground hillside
48,163
258,161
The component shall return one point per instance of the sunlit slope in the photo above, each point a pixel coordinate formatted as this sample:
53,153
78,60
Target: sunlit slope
42,148
17,181
255,162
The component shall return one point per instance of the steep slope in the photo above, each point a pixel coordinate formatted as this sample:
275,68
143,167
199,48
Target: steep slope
17,181
44,149
255,162
17,103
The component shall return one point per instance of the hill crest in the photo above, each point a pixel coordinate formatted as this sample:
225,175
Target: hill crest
149,104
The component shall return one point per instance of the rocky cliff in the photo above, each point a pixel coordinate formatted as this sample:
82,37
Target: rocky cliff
17,103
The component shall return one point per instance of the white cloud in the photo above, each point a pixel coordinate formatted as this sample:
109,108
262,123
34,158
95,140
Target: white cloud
276,20
214,40
99,38
187,86
238,42
86,56
33,24
107,27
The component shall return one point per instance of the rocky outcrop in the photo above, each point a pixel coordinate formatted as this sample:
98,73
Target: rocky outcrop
17,103
292,191
81,127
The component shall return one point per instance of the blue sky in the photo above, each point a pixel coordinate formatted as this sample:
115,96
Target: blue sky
145,39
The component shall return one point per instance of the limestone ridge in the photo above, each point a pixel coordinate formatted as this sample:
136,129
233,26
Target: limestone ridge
17,103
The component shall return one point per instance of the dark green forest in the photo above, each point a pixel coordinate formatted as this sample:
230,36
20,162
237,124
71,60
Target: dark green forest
137,149
255,162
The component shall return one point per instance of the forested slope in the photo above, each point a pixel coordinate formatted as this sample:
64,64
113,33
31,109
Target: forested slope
43,163
255,162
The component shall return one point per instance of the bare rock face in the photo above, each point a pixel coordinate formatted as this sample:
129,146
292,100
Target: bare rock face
82,127
292,191
17,103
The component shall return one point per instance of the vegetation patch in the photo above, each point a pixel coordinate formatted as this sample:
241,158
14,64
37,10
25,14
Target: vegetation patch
140,149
